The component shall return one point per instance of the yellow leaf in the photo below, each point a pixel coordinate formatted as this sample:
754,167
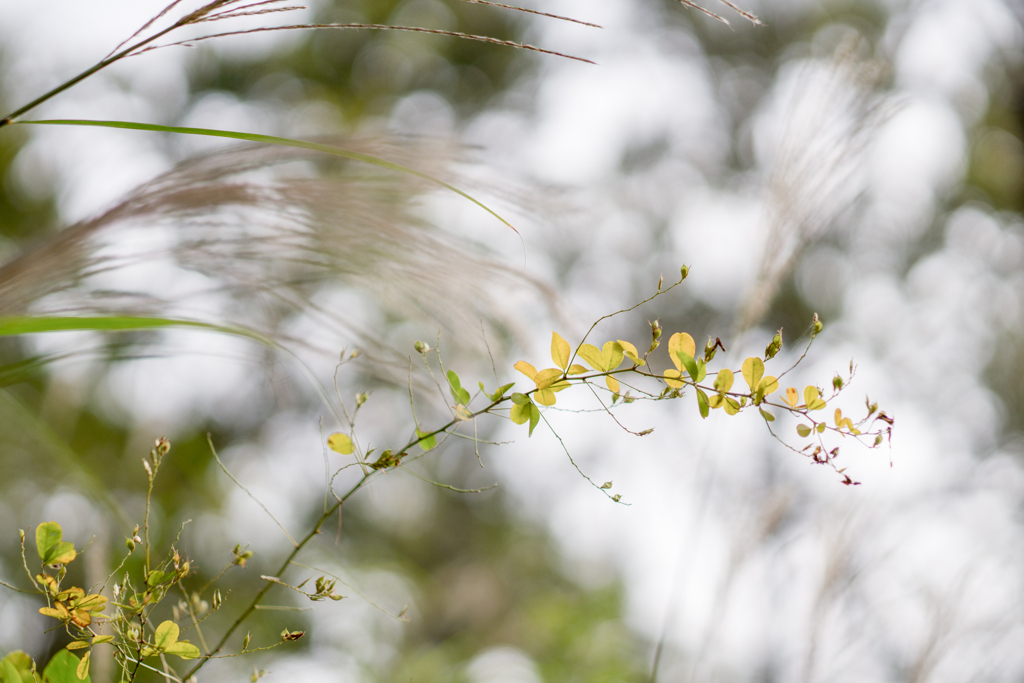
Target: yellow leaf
770,385
545,397
612,383
670,378
59,612
82,671
559,386
812,398
839,417
680,341
753,371
731,406
340,443
803,430
545,378
716,401
77,645
560,352
612,353
723,382
577,370
81,617
630,352
525,368
792,398
592,355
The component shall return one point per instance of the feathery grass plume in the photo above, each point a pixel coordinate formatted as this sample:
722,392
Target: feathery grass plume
814,179
718,17
275,232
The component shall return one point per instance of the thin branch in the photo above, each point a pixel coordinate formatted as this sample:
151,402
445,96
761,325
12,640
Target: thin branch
582,474
209,440
447,486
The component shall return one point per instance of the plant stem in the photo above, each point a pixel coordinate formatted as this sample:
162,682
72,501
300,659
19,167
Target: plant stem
259,596
10,118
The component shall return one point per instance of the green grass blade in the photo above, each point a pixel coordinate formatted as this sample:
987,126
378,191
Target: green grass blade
12,326
272,140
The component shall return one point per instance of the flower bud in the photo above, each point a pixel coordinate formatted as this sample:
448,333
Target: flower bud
421,347
837,382
774,347
683,272
709,350
817,326
130,544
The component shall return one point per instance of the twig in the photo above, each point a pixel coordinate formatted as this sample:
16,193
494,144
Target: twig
209,440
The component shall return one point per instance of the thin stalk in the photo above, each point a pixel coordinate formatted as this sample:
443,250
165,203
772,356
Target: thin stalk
10,118
284,566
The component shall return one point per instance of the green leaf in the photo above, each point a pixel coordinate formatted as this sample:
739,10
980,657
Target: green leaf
453,379
497,395
426,443
63,668
520,399
154,577
534,417
272,140
183,649
702,403
690,365
50,547
9,674
62,553
48,535
820,428
340,443
458,393
166,634
560,352
766,415
17,668
803,430
11,326
521,412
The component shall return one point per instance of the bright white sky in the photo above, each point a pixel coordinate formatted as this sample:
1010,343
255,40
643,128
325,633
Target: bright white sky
929,549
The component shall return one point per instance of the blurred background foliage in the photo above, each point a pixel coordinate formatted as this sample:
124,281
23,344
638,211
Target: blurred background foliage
485,586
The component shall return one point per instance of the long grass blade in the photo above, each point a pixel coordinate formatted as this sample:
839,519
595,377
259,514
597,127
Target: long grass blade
273,140
12,326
